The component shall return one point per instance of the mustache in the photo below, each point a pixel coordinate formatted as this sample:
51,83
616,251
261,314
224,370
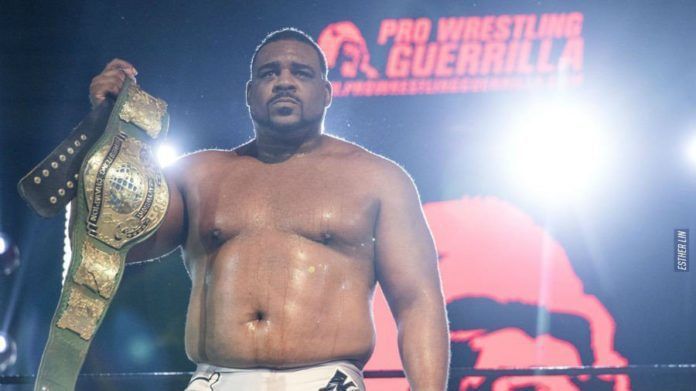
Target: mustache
284,94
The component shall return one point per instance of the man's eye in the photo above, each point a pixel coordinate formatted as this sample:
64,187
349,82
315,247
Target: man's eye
303,74
266,74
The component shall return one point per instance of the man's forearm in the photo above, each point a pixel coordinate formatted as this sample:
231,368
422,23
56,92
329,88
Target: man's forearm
424,344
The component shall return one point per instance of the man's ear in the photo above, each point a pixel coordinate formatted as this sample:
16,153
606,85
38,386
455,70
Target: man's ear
328,95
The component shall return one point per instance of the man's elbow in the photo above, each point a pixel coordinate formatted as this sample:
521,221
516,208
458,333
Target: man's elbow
148,250
419,304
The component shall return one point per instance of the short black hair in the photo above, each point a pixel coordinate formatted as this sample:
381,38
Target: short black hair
294,34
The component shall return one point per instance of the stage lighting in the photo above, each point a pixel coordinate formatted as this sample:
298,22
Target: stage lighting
691,150
555,150
141,349
8,352
166,155
9,255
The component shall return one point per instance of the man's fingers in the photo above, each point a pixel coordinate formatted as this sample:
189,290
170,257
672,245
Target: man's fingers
102,93
101,89
98,89
118,63
125,66
110,80
102,80
120,73
114,73
103,86
130,72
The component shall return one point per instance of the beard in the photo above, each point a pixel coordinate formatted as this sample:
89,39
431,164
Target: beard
268,120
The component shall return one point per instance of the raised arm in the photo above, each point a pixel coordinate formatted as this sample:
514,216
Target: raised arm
407,271
171,232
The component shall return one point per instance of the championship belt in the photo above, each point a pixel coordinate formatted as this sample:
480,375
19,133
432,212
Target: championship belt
121,199
50,186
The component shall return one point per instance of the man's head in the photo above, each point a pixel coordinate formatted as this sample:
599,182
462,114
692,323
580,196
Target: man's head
292,34
288,90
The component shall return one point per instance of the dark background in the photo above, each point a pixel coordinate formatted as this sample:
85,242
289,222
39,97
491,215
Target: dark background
639,68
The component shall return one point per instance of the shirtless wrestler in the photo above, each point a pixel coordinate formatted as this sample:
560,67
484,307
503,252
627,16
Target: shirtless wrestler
285,237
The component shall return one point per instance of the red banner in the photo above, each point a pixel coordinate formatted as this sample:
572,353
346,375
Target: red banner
456,54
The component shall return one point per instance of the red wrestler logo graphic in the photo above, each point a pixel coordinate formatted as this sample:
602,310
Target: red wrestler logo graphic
343,43
503,276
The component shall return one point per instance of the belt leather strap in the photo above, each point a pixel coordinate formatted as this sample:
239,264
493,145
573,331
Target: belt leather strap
50,186
121,199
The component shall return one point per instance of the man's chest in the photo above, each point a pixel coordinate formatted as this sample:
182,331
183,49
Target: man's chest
324,205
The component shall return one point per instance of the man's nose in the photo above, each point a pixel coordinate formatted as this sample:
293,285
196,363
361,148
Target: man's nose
284,82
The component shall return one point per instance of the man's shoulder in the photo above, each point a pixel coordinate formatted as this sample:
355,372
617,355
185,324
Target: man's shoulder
196,163
202,157
345,149
375,168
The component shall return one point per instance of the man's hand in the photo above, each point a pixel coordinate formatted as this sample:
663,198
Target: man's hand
110,80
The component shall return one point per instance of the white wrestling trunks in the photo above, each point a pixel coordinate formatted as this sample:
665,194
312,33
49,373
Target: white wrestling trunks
331,376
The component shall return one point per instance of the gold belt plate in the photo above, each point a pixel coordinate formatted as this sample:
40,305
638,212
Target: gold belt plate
127,195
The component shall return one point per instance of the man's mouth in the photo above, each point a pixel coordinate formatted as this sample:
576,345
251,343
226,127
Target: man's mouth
285,99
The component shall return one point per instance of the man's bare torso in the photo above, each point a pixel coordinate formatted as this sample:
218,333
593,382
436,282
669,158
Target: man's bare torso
284,257
281,257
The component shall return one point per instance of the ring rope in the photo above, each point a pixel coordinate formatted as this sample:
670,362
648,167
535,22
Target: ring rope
654,369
